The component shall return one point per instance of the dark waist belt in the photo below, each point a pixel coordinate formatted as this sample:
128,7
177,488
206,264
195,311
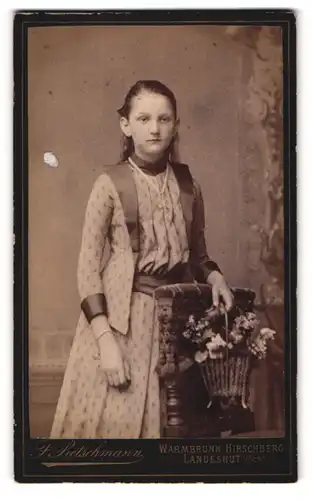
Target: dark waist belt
146,283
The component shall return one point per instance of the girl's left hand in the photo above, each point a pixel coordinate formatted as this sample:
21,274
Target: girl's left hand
220,289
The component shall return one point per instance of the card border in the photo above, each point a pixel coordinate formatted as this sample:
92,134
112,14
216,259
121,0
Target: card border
26,19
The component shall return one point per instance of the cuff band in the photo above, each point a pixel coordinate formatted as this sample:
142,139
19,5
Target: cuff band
94,305
202,272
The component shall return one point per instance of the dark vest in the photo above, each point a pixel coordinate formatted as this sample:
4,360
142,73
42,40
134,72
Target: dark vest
122,177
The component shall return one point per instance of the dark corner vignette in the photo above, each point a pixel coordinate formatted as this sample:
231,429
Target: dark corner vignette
174,457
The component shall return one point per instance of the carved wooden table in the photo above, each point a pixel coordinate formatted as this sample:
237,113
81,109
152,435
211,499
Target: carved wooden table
183,395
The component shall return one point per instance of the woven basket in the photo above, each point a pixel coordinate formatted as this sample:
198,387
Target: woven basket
227,377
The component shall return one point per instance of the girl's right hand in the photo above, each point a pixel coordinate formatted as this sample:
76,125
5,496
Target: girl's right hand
115,367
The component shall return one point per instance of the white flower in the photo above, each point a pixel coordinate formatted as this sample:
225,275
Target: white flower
208,333
215,354
191,319
258,347
250,315
246,322
236,337
215,347
201,356
267,333
218,341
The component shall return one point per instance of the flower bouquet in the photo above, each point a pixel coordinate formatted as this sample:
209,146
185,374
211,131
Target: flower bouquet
224,345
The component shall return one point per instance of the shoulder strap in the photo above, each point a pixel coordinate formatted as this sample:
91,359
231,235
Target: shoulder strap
185,181
122,177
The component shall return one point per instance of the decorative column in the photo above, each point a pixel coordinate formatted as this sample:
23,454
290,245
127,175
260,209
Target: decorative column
172,424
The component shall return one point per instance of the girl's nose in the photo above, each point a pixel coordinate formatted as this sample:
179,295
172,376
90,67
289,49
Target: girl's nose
154,127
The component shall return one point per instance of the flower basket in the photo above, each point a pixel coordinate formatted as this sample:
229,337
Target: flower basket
227,379
225,344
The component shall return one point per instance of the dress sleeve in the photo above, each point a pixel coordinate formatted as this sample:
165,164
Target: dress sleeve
96,226
201,263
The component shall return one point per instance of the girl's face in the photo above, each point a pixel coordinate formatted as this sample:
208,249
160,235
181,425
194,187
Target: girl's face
151,124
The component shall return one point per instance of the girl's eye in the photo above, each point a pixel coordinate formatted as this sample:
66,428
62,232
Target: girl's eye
165,119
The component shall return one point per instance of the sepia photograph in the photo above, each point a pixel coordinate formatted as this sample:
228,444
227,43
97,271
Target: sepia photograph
156,236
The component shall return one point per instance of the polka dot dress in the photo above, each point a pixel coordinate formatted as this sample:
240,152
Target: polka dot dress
87,406
135,412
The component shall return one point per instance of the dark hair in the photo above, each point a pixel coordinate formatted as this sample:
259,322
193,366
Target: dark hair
156,87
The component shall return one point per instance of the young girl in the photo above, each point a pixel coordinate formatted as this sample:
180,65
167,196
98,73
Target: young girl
144,227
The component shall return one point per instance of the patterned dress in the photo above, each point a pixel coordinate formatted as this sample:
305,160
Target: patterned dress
163,244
